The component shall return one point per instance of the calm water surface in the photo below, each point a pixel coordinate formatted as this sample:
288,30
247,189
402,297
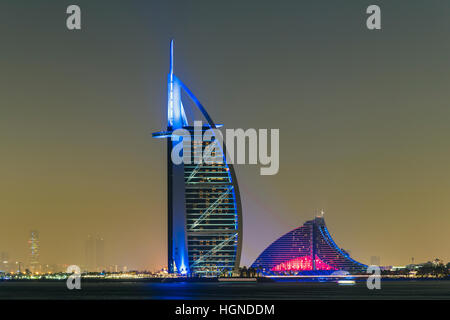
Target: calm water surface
280,290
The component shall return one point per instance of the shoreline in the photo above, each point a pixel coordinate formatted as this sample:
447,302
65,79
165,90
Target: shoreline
216,280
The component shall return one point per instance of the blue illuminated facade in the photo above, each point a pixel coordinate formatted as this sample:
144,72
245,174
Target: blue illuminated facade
204,205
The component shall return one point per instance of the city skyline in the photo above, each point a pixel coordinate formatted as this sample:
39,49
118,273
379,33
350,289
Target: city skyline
362,119
95,260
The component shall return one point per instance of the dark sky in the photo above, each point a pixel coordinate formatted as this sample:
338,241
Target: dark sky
363,118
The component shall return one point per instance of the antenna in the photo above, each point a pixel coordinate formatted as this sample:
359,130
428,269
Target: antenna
171,58
321,213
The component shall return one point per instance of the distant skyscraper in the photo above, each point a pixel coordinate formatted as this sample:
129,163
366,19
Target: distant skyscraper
204,204
90,254
19,267
34,250
95,254
4,262
375,260
100,254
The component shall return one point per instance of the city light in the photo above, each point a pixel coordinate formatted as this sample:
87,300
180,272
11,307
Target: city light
302,264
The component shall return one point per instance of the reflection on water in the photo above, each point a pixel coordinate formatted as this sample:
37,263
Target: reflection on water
431,289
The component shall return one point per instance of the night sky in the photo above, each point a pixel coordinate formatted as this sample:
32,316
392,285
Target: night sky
363,118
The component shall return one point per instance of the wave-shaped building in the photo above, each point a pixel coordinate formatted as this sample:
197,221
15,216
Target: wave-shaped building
204,206
306,248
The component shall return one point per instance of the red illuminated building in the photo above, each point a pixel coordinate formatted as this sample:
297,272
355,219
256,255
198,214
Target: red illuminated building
307,248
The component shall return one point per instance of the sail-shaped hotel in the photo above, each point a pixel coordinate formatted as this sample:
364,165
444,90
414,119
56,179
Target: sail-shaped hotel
204,205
